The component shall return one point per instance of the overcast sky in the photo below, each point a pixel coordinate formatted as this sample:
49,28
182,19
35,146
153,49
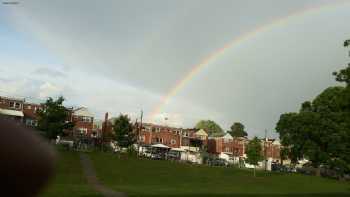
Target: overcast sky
124,56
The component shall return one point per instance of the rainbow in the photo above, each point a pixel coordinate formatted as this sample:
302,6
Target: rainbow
195,70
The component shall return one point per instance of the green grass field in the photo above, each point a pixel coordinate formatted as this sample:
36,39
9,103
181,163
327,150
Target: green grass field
164,178
69,179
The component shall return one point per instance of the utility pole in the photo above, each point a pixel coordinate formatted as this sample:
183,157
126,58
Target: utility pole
140,129
265,150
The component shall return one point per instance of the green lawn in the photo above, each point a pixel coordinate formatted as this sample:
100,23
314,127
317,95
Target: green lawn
69,179
164,178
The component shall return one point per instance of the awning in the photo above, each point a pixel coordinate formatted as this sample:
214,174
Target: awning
160,146
178,149
9,112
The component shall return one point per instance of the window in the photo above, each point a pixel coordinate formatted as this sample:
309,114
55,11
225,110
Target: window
83,130
157,129
30,122
142,138
15,105
29,107
86,119
173,141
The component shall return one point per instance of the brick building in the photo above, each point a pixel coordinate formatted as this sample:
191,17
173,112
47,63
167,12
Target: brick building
271,149
30,113
12,108
153,134
171,136
225,143
83,121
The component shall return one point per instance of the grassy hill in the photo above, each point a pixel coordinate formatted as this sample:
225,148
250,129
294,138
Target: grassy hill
163,178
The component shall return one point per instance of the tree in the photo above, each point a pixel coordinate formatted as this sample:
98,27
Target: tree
320,131
52,120
308,134
237,130
123,130
254,152
284,152
209,126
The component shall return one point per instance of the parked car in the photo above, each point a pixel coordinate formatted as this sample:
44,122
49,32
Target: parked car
277,167
218,162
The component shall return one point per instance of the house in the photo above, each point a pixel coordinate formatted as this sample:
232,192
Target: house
12,108
172,137
83,121
97,128
30,113
271,149
224,143
153,134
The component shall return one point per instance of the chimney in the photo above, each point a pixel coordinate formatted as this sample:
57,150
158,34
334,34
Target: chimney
104,125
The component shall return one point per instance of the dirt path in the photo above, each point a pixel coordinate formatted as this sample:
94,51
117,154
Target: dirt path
90,175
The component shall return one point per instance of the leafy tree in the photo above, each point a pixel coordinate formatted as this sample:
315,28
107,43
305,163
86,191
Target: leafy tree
209,126
123,130
52,120
237,130
254,152
284,153
321,129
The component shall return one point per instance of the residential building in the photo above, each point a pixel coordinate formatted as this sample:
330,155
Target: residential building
225,143
83,121
172,137
12,108
30,113
271,149
153,134
97,128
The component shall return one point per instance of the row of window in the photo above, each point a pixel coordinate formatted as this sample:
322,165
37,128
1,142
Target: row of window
157,140
29,107
15,105
158,129
85,119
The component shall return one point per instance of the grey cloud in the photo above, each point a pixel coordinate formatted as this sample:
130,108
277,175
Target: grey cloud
151,45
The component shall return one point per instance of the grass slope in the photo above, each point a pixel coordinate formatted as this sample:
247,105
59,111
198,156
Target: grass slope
164,178
69,179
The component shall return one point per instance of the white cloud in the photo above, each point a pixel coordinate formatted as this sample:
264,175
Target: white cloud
49,90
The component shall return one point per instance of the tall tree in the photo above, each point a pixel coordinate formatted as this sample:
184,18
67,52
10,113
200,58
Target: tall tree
123,130
209,126
52,120
321,129
237,130
254,152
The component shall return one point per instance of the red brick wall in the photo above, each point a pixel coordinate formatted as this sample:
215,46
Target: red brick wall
272,151
30,110
5,103
79,123
218,145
